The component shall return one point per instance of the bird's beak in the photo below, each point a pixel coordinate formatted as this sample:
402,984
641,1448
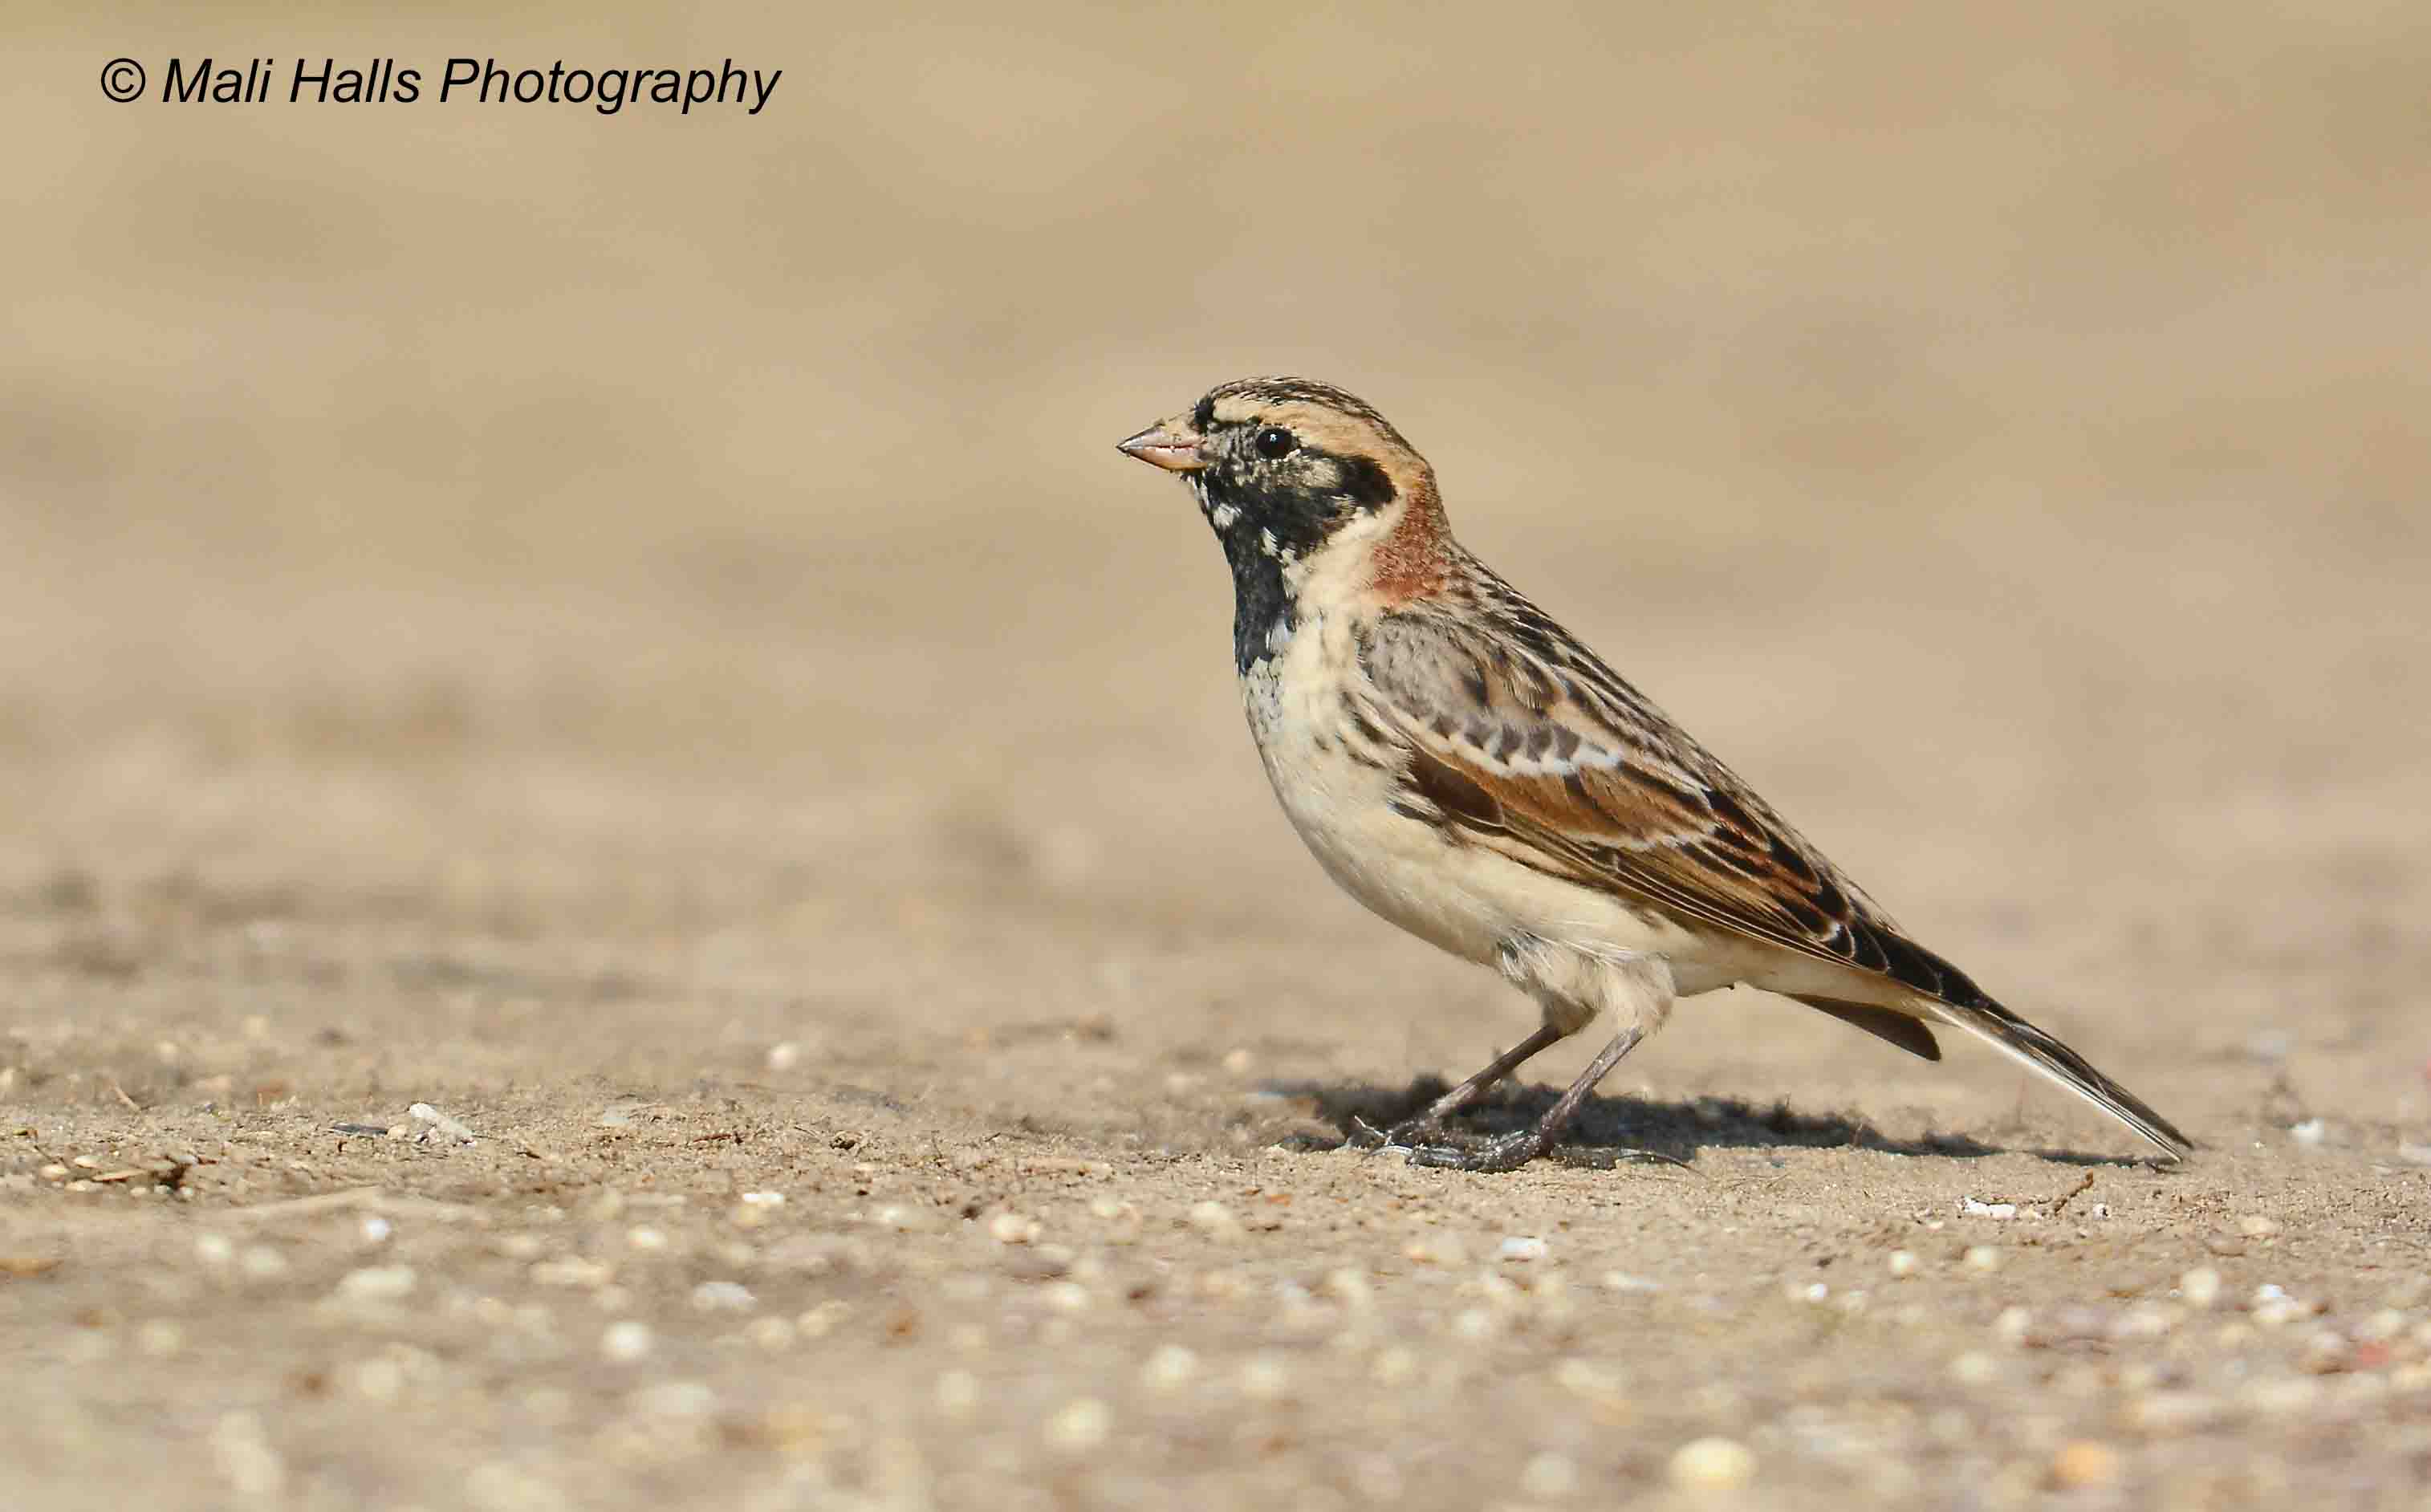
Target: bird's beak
1169,445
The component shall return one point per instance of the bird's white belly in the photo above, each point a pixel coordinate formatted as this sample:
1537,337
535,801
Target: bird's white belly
1462,897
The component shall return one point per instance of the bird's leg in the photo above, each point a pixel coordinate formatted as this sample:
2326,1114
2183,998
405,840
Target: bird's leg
1512,1151
1431,1121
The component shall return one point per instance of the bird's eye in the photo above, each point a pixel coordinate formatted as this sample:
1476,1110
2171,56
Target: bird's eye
1275,442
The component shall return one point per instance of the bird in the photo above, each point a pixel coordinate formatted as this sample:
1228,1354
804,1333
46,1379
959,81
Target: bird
1468,769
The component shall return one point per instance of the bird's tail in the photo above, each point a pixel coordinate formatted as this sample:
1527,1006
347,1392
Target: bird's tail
2022,1042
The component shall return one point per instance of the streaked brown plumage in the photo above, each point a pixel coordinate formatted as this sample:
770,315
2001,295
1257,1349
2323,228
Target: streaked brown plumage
1466,768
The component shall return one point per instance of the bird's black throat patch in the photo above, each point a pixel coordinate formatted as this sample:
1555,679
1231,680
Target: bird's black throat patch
1264,529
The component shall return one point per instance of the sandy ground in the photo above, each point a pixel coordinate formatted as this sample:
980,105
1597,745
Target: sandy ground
632,634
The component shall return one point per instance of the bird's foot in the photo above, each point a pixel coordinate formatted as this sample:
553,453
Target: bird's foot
1409,1133
1509,1152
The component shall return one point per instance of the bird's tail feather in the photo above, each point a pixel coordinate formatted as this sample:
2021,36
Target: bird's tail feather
2022,1042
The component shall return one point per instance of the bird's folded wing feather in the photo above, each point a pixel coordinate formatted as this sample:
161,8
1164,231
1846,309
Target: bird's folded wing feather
1526,742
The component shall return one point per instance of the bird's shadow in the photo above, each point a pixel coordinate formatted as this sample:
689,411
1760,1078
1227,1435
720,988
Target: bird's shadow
1612,1127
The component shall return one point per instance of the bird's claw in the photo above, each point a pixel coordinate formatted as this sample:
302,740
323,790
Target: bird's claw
1405,1134
1493,1158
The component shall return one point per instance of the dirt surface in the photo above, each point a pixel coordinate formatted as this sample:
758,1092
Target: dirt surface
632,634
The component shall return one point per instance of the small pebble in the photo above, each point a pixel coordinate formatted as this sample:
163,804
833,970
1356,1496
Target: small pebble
1981,1257
1264,1378
1239,1061
1903,1263
442,1126
1013,1228
1623,1281
1969,1207
2013,1325
2200,1287
1437,1250
958,1392
626,1342
1066,1296
2309,1134
213,1249
2254,1226
2083,1463
1170,1368
1713,1463
376,1284
773,1334
1214,1219
1550,1476
1348,1285
159,1338
1081,1427
245,1459
722,1297
764,1200
646,1238
784,1055
680,1399
1522,1248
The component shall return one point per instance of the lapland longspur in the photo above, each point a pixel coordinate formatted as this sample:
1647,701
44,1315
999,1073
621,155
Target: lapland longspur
1464,767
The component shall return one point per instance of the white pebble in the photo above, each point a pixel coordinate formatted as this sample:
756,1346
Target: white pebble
1522,1248
1264,1378
626,1342
244,1456
2013,1325
1081,1427
774,1335
1903,1263
958,1392
2200,1287
1013,1228
722,1297
1066,1296
2256,1226
375,1228
1969,1207
376,1284
1348,1285
681,1400
1214,1219
764,1200
2310,1132
1170,1368
1713,1463
1239,1061
1550,1476
159,1338
1623,1281
213,1249
442,1126
646,1238
1981,1257
784,1055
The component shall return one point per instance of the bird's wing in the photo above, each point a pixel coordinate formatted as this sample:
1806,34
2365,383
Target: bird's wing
1525,741
1521,739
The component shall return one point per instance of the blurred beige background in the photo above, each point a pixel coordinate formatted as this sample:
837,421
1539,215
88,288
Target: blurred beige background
520,608
1967,420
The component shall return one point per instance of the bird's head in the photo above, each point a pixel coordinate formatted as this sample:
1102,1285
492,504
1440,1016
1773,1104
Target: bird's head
1295,474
